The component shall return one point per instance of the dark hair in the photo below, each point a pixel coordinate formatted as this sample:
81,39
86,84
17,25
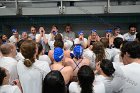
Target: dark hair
58,43
99,51
28,50
107,67
117,42
116,28
40,48
54,26
2,75
86,78
105,42
58,37
138,36
54,83
18,44
132,48
132,25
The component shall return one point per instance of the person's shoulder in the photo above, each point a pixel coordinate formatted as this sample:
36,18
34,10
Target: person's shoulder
99,87
74,87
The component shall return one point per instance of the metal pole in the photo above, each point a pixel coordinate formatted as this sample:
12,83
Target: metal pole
108,6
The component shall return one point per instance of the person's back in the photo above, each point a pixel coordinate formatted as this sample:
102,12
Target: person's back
31,72
86,82
77,61
30,78
66,71
130,53
132,84
7,61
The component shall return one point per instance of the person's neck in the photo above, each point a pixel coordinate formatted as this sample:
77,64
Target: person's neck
103,74
58,63
136,60
10,55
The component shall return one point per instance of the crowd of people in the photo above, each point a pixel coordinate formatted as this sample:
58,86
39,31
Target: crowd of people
37,62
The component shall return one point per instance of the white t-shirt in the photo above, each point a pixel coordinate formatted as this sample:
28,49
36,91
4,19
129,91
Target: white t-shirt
117,82
132,78
74,87
10,64
87,53
9,89
129,37
12,39
106,81
115,51
117,59
108,53
19,56
31,78
77,41
45,47
45,58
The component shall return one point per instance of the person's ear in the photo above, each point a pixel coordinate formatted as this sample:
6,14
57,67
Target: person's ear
127,54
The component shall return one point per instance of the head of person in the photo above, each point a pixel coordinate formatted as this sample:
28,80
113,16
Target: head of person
105,42
59,43
15,33
41,29
29,50
105,66
132,29
130,51
81,35
4,38
33,30
93,34
86,77
68,28
78,51
98,49
40,49
19,44
138,37
24,35
118,41
116,30
8,50
58,54
4,76
108,33
54,30
58,37
54,83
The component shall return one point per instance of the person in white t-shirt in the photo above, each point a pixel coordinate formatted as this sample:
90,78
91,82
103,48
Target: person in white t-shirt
31,71
108,51
105,71
51,36
81,40
33,32
131,35
41,56
117,32
15,37
88,53
86,83
8,60
69,36
117,45
130,53
42,38
4,83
